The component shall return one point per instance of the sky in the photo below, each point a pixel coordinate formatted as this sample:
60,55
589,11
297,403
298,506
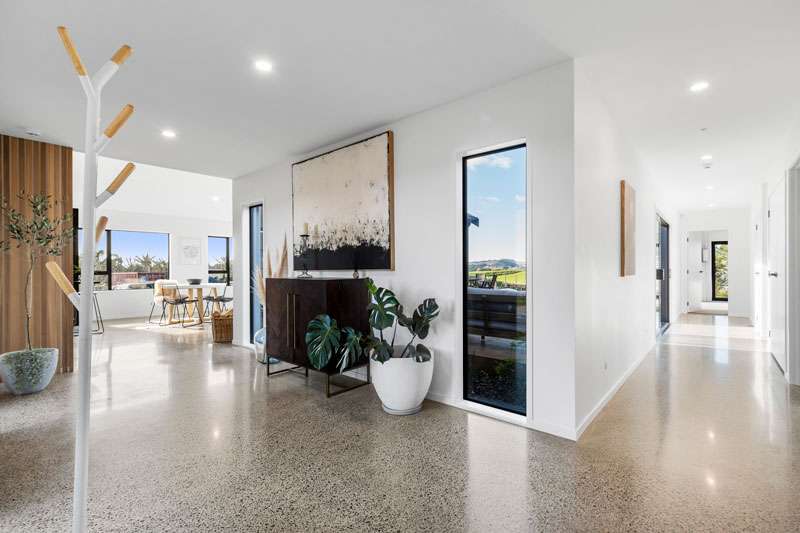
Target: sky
496,195
216,249
133,243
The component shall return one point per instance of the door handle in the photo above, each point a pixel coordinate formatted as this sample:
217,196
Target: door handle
294,321
288,344
773,274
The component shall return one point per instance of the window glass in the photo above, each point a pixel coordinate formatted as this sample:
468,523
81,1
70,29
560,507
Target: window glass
100,264
138,259
219,255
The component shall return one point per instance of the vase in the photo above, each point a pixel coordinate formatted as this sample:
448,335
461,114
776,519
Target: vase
260,341
48,357
401,383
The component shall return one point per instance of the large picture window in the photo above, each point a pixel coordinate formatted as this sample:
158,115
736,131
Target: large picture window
126,260
219,260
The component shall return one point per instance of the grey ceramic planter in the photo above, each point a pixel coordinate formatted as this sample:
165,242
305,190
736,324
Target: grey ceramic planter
50,356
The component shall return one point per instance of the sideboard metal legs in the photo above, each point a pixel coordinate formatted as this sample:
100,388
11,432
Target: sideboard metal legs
343,388
294,370
302,371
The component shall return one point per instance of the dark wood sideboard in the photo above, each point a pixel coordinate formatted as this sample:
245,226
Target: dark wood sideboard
292,303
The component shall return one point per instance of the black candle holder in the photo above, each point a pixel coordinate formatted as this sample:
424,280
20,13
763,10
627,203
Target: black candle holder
304,257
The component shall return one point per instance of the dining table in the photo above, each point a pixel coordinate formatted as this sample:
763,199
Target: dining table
195,292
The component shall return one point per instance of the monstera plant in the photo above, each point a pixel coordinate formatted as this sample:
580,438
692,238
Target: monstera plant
327,342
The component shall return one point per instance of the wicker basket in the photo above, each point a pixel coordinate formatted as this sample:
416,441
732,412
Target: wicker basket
222,328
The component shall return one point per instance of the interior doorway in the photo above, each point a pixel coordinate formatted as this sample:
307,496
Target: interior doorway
707,272
663,274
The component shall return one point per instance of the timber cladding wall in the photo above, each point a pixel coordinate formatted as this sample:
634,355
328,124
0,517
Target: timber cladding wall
35,167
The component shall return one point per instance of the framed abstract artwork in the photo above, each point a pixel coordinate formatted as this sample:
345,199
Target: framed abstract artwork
343,200
628,226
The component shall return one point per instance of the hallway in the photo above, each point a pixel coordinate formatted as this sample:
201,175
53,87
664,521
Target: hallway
188,435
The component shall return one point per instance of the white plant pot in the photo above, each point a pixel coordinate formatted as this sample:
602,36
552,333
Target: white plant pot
401,384
23,386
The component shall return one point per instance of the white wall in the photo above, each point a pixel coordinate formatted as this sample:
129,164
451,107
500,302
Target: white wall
736,222
428,147
614,315
162,200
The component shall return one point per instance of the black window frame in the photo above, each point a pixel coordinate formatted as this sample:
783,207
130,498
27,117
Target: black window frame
254,261
714,297
108,271
465,277
227,269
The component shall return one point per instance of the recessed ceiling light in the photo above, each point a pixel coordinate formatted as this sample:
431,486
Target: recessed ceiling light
169,134
710,187
263,65
215,198
706,157
699,86
711,205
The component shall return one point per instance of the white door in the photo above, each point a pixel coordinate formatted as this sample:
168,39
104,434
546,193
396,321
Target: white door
757,267
777,274
694,266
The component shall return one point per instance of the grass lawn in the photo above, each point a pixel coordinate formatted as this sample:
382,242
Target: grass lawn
506,277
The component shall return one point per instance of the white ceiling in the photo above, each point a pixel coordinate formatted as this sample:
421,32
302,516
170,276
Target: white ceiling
643,56
345,67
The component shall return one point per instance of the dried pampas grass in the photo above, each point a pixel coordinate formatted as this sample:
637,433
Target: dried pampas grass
261,289
283,268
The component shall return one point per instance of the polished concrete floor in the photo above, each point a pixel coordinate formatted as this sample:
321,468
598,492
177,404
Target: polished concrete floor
192,436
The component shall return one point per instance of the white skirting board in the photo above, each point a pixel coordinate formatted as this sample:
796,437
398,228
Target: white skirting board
538,425
610,394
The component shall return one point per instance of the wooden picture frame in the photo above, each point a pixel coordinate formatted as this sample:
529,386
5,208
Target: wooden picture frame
628,229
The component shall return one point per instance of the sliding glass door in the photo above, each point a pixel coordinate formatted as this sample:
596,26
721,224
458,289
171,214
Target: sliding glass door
256,262
495,278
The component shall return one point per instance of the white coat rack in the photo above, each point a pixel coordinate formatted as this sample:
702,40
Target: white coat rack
95,143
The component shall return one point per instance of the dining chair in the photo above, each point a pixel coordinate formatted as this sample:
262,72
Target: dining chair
158,296
223,300
172,296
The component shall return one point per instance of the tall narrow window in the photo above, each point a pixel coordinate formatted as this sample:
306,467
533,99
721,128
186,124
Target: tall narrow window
256,262
495,278
219,259
719,270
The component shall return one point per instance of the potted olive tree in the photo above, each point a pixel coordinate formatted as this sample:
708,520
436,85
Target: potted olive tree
31,234
401,373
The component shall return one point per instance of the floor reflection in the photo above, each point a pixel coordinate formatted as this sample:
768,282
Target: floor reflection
498,475
189,435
